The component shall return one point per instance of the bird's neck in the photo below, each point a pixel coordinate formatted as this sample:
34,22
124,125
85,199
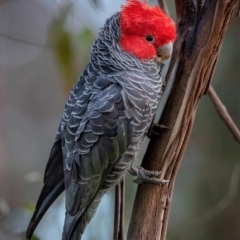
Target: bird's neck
107,55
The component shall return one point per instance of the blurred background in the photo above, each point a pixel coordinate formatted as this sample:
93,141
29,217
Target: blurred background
44,47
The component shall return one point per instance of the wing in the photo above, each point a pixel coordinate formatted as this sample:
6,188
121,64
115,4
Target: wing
53,186
93,146
54,175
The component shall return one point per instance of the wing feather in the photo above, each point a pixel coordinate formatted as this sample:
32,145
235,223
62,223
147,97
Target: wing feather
99,142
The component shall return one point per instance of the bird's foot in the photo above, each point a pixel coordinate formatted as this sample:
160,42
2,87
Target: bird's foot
157,130
144,175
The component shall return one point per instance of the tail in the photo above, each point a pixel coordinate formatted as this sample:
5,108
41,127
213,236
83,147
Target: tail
52,188
74,226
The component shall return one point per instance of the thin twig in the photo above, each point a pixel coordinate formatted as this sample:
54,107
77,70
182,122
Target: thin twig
238,11
21,40
121,226
233,190
163,6
116,211
118,232
223,113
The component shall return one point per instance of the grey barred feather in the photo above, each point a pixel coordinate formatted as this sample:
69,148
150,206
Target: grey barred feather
107,113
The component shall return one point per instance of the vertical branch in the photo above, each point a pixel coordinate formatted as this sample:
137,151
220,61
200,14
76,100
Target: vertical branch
118,232
121,226
200,31
2,129
163,6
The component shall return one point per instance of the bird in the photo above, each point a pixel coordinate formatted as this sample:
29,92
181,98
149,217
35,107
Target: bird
107,114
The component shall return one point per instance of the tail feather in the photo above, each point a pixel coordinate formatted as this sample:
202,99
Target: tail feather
68,231
74,226
53,187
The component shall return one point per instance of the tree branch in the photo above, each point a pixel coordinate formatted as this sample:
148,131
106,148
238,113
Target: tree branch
238,11
118,232
200,34
223,113
163,6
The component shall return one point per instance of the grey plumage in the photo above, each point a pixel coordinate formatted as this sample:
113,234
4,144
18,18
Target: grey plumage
106,116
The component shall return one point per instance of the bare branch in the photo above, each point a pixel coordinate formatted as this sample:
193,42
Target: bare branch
225,202
233,190
163,6
223,113
238,11
118,232
21,40
201,29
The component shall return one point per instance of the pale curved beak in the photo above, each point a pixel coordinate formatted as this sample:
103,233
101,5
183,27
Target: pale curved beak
164,52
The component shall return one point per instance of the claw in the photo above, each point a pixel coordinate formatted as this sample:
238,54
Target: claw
144,175
157,129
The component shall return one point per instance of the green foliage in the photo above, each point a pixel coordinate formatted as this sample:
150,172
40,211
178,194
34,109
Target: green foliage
35,238
85,41
29,207
60,38
71,51
23,234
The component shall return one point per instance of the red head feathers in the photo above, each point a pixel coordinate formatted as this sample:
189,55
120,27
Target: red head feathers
139,24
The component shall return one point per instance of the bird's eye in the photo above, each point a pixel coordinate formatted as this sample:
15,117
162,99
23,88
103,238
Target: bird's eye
149,38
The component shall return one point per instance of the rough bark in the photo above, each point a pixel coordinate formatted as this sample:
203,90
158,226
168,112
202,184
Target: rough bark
201,28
